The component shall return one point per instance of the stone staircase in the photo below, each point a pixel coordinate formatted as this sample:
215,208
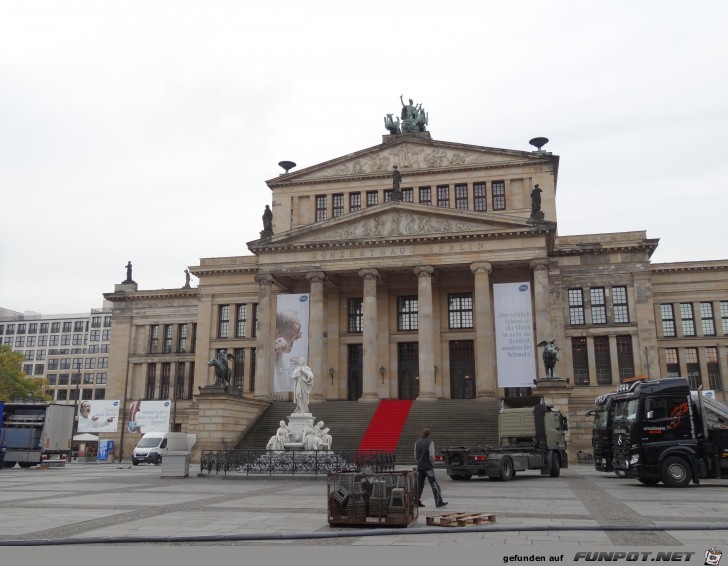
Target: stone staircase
466,422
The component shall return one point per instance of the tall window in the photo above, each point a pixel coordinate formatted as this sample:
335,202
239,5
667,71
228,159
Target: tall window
443,196
21,328
480,202
151,380
372,198
619,304
407,313
33,328
581,360
354,202
355,315
153,339
338,205
183,337
706,318
242,321
387,195
688,319
693,367
461,197
223,323
78,326
239,368
87,393
166,375
667,314
498,188
425,195
408,195
44,328
625,357
714,380
576,306
602,360
100,393
96,322
672,362
460,310
179,381
598,305
55,326
168,331
321,208
724,316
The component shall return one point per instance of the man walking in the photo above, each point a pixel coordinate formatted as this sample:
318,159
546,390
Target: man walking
425,458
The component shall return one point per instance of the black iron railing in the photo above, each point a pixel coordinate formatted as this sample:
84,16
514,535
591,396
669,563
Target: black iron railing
315,462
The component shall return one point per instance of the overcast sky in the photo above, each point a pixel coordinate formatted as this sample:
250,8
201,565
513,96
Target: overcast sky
145,131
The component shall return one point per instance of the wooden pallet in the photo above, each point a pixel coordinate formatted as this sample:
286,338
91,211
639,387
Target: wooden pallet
460,519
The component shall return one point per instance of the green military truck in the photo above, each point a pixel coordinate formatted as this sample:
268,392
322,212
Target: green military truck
531,438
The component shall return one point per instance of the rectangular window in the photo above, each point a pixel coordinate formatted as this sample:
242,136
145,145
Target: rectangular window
693,367
94,335
53,364
30,342
711,357
356,315
407,313
65,363
255,320
87,393
90,363
166,375
182,339
672,362
724,316
480,202
154,339
100,393
19,341
667,314
93,349
179,381
72,394
8,342
223,321
354,202
53,340
619,305
103,363
10,329
52,379
581,361
96,322
239,368
425,195
77,326
42,340
387,195
321,206
706,318
106,335
461,197
63,379
107,322
55,327
28,369
44,328
101,378
88,379
33,328
39,369
443,196
338,205
21,328
602,360
168,332
688,319
576,306
408,195
241,322
78,339
625,357
61,395
460,310
29,355
151,380
598,305
372,198
40,354
498,188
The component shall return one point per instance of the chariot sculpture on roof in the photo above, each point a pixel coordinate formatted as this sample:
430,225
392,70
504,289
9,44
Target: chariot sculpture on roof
414,119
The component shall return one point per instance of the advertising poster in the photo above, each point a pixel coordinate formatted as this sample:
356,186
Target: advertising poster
291,338
98,416
514,343
105,447
149,416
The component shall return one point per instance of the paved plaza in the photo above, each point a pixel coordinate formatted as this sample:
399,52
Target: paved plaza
109,504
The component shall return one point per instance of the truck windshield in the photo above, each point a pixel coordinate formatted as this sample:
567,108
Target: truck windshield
626,411
600,420
149,442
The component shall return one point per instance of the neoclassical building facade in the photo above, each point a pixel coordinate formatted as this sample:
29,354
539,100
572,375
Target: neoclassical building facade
430,270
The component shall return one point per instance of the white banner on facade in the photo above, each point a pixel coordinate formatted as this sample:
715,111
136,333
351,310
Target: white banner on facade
291,338
149,416
98,416
514,343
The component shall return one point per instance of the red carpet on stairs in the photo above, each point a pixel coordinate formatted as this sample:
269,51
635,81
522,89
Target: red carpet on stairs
386,425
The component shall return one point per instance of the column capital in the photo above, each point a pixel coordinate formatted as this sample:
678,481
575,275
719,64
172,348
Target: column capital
481,267
264,279
539,264
424,271
369,273
316,276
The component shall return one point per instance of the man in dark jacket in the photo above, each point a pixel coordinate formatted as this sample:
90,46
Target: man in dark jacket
425,458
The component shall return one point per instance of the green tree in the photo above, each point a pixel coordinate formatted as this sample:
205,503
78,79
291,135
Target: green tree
13,382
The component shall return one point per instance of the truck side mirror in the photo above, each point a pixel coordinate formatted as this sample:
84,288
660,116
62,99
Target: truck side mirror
564,423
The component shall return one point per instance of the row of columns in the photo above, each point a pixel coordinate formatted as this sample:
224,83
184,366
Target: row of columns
485,353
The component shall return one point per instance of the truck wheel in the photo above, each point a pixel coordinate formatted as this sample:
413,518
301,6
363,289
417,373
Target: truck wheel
136,463
26,464
506,469
675,472
555,466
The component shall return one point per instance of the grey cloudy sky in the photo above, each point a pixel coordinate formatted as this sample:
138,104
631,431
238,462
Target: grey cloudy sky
145,131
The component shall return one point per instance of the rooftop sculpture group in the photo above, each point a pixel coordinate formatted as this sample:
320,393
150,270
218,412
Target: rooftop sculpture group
414,119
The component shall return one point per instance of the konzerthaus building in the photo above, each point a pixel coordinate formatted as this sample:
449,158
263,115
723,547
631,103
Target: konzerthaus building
418,269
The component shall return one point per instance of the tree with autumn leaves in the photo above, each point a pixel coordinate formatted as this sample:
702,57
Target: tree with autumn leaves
14,384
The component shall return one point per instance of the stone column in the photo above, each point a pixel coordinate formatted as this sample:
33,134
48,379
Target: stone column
425,333
369,364
264,352
485,356
316,334
540,269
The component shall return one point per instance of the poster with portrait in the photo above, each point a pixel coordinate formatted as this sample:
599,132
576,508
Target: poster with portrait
514,343
98,416
148,416
291,337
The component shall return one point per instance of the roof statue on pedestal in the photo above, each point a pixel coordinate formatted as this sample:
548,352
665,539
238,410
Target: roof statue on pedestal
414,119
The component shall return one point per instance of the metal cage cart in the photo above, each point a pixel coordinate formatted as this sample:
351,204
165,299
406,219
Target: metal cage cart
371,499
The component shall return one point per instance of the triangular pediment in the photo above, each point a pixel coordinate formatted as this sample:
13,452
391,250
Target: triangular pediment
400,221
410,155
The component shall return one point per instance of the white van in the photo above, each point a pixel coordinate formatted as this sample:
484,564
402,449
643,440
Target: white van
153,445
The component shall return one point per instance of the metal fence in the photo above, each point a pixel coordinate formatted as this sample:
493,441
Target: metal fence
276,462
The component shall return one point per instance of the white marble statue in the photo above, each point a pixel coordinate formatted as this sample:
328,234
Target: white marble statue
303,377
323,435
279,439
316,437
